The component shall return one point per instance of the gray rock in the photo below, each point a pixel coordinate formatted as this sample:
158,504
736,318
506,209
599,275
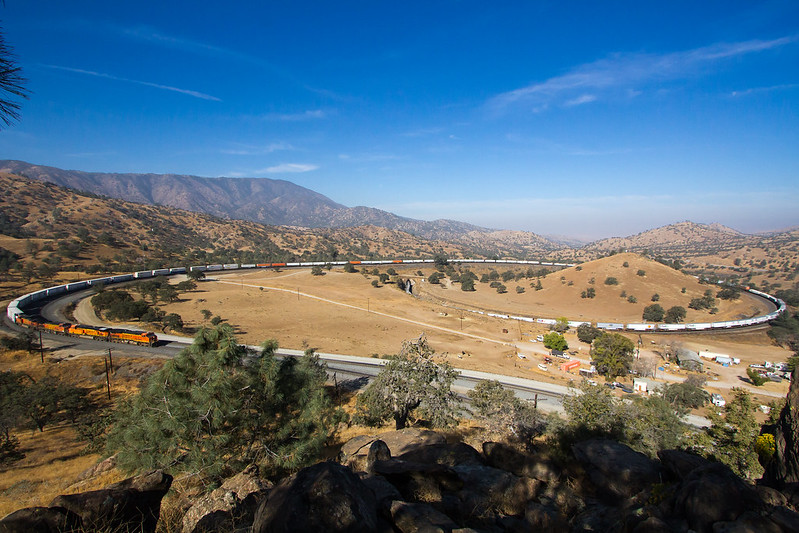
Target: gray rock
544,518
325,497
133,504
419,481
502,456
786,518
378,451
713,493
384,492
750,522
230,506
678,464
597,518
491,488
39,520
420,518
444,454
771,496
404,440
617,470
652,524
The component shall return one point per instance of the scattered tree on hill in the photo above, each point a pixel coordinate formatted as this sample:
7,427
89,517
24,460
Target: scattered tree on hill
216,408
755,377
538,285
728,293
688,394
350,268
561,324
500,411
440,260
653,313
467,284
206,314
195,275
641,273
173,321
705,302
502,289
655,297
435,278
612,354
587,333
625,264
375,283
316,270
632,299
412,383
675,315
590,292
555,341
731,437
645,424
519,289
610,280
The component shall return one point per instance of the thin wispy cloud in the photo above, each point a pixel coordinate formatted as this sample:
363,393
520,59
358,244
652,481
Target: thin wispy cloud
625,72
188,92
311,114
244,149
773,88
288,168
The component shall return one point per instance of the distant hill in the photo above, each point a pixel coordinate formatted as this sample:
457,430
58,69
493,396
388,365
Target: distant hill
682,239
263,200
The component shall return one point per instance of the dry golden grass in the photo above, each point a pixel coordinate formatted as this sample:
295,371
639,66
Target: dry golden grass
51,464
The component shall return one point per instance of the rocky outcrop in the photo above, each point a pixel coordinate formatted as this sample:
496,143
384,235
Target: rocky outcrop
132,505
438,486
326,497
233,503
784,466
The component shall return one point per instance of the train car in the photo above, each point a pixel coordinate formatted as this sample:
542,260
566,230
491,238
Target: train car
133,337
577,323
522,318
12,311
612,326
248,265
77,286
699,326
161,272
55,291
99,281
58,329
548,321
28,322
143,274
214,268
641,327
122,278
230,266
671,327
80,330
203,268
177,270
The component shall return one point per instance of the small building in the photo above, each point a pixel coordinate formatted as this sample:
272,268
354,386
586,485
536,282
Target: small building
689,360
642,385
571,365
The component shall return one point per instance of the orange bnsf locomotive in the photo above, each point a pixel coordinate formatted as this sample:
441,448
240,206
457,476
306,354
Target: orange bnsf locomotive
90,332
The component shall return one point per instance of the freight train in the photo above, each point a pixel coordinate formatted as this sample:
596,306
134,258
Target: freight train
17,307
142,338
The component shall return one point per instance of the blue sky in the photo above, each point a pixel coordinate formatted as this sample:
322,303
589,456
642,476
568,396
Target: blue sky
586,119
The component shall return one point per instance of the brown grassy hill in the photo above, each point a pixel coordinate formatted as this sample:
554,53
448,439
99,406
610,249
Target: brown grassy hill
52,229
683,238
561,293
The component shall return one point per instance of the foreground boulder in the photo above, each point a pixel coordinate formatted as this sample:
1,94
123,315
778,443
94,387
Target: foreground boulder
618,471
323,497
132,505
783,469
235,502
40,520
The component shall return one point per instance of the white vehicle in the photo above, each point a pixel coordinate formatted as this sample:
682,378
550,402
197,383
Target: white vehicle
543,367
540,338
717,400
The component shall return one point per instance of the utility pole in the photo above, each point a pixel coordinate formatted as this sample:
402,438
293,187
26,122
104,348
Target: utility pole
41,346
110,361
107,378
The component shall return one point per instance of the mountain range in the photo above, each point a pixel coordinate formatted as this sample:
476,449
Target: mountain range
282,203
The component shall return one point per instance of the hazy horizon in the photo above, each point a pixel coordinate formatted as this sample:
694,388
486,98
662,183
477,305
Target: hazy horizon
586,120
